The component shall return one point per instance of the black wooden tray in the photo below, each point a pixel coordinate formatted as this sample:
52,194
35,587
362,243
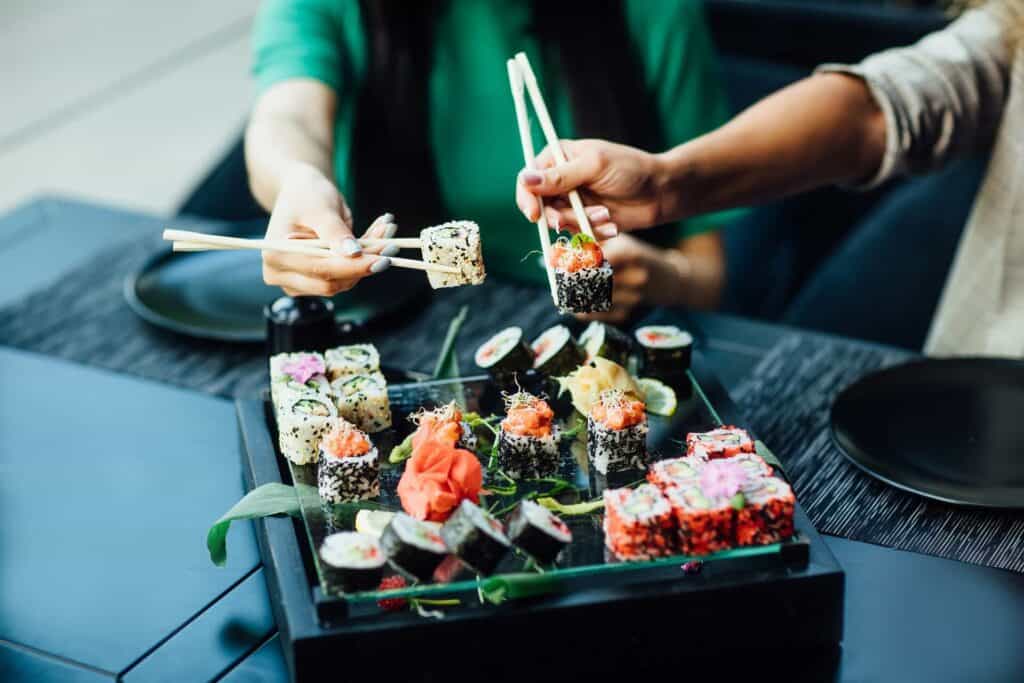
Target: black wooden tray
791,599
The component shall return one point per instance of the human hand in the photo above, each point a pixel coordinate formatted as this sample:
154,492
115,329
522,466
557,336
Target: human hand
621,186
308,206
644,274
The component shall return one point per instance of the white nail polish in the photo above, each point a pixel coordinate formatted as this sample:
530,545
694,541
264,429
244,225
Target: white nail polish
350,247
390,250
390,231
380,264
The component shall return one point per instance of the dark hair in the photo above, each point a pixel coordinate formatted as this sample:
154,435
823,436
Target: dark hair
588,42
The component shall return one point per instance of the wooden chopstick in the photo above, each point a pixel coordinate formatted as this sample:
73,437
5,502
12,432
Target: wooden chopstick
515,79
549,132
198,238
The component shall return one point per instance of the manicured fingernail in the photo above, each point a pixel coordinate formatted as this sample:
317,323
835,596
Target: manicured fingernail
380,265
556,221
598,213
389,250
350,247
388,217
532,178
606,231
390,231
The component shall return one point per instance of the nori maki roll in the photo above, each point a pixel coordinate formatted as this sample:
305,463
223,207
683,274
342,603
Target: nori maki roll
505,354
352,560
583,277
355,359
527,439
605,341
616,432
555,352
475,537
301,423
457,244
413,547
363,400
666,352
348,469
538,532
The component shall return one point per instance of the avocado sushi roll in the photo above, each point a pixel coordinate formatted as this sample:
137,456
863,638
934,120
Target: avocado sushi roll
527,438
355,359
617,432
475,537
457,244
538,532
675,472
555,353
413,547
605,341
348,468
767,515
363,400
666,352
301,423
723,442
296,374
505,354
353,561
583,277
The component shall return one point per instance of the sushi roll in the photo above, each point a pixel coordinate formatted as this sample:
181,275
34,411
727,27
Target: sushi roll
583,277
363,401
454,244
355,359
475,537
555,353
449,413
675,472
353,561
705,523
301,423
723,442
538,532
348,468
600,340
505,354
527,440
638,523
666,352
616,432
753,465
767,514
413,547
296,374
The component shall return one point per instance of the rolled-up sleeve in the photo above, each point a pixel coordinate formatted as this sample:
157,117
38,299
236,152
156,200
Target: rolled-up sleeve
943,97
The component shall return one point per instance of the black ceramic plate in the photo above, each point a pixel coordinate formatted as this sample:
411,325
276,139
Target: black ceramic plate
952,430
220,295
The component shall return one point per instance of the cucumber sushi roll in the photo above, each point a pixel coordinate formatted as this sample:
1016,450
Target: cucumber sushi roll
538,532
600,340
413,547
363,400
296,374
675,472
638,523
767,516
527,439
616,432
505,354
666,351
706,523
353,561
348,468
302,423
555,353
475,537
454,244
723,442
583,277
354,359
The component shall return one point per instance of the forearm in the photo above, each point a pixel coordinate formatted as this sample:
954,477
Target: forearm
822,130
700,262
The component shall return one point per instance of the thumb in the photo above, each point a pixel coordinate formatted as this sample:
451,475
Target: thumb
336,232
563,178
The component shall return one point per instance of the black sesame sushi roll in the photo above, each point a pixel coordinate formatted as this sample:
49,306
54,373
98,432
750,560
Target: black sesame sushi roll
413,547
617,432
555,353
348,469
583,277
538,532
352,561
527,438
600,340
505,355
475,537
667,351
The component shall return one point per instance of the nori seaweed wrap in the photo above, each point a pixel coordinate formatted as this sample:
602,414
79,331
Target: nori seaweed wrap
352,560
555,352
413,547
538,532
505,354
475,537
606,341
667,352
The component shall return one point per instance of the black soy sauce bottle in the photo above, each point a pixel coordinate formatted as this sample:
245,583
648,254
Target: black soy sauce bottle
305,323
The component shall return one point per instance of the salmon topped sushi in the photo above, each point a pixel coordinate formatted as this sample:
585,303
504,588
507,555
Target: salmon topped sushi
528,438
348,468
583,277
617,432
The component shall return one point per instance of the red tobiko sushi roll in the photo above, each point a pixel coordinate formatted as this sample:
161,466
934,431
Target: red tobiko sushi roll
723,442
638,523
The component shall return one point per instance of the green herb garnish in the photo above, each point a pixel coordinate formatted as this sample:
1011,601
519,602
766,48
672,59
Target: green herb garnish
573,508
401,452
262,501
579,239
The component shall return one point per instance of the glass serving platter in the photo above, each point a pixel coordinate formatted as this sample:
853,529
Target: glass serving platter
580,563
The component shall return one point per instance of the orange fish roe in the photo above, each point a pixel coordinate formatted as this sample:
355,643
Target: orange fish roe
705,526
723,442
344,441
565,257
638,523
528,416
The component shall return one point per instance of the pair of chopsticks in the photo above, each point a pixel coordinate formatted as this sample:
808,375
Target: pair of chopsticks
185,240
519,74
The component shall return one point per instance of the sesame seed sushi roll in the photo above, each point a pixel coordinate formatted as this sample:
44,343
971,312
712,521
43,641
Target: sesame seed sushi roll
666,352
527,439
600,340
353,561
583,277
723,442
616,432
638,523
505,354
454,244
302,423
767,516
475,537
538,532
354,359
363,400
296,374
348,468
413,547
675,472
448,413
555,353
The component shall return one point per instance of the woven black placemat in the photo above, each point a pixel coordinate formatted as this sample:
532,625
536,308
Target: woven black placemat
787,400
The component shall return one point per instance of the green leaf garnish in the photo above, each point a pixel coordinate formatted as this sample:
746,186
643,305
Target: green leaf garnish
767,455
573,508
402,451
447,366
738,501
579,239
262,501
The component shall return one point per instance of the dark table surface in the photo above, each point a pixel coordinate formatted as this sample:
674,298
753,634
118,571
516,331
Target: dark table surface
103,570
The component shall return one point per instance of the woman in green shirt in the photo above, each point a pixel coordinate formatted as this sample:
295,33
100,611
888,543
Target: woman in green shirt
379,105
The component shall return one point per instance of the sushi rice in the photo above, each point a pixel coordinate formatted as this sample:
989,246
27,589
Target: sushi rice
457,244
301,424
363,400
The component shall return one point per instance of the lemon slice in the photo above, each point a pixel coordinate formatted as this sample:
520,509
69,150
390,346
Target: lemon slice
658,397
373,521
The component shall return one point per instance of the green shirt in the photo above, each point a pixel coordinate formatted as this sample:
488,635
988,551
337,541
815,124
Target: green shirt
473,128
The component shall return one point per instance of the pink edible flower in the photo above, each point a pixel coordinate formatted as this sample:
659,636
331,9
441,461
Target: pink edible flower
722,479
305,367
